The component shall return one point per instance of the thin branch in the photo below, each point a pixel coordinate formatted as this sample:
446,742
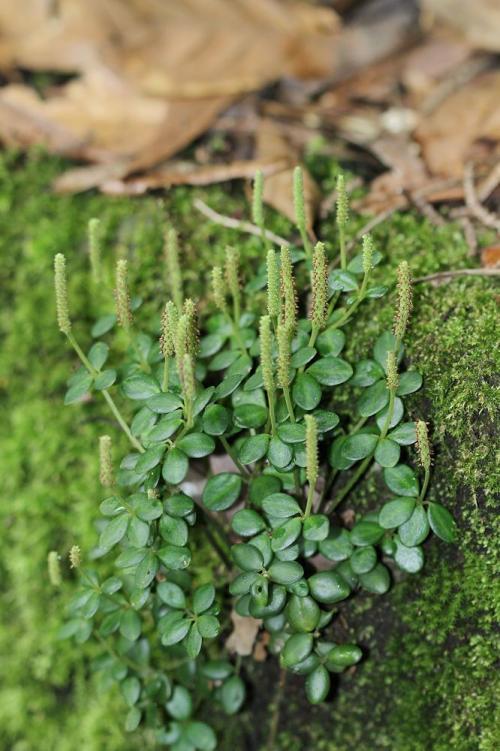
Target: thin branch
237,224
457,272
473,203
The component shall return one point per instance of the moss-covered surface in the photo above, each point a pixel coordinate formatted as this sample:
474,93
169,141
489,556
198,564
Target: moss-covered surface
429,682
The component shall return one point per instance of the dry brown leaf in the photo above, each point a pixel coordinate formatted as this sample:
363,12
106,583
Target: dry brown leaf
272,144
242,638
490,257
153,75
175,173
477,20
260,650
465,126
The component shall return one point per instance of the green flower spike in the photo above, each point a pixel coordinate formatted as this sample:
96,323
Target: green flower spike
75,557
312,467
273,285
54,569
288,291
122,297
219,289
233,280
319,285
404,305
105,462
61,288
392,372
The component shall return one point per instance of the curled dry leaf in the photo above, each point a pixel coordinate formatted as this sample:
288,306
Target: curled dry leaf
245,630
151,75
478,21
273,144
465,126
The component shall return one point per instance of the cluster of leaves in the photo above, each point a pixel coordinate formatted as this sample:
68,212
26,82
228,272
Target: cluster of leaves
260,390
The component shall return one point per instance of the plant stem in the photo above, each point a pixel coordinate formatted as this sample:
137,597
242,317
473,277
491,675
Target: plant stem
343,255
275,719
425,485
166,374
349,486
243,470
289,404
107,396
309,502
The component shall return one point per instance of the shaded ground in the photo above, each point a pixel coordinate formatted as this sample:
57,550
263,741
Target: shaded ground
429,682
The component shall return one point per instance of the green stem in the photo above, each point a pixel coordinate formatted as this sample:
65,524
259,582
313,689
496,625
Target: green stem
166,374
343,254
349,486
229,451
306,242
270,400
107,396
423,492
355,305
289,404
310,497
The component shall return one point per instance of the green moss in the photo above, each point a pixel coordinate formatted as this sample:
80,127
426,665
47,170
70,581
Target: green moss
429,680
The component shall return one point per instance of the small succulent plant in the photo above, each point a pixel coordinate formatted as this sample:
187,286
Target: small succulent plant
254,384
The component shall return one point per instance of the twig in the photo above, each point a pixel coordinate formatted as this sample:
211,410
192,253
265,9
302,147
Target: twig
470,235
275,720
489,184
461,75
230,223
457,272
472,201
425,208
374,222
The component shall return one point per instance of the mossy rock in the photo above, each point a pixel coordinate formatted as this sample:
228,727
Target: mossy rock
428,682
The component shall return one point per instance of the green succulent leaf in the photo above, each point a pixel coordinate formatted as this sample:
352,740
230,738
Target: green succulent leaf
221,491
442,522
401,480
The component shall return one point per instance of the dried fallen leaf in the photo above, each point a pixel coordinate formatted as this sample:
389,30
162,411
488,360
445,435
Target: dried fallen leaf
273,144
478,21
152,75
490,257
465,126
260,649
177,173
244,633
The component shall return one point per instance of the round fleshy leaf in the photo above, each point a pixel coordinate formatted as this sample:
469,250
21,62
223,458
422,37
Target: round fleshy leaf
415,530
396,512
328,587
296,649
221,491
359,446
442,522
216,419
303,613
363,560
409,559
330,371
279,453
409,382
337,546
377,581
316,527
253,448
401,480
373,399
330,342
317,685
286,572
247,557
387,453
286,534
196,445
247,523
366,533
281,506
175,466
306,392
